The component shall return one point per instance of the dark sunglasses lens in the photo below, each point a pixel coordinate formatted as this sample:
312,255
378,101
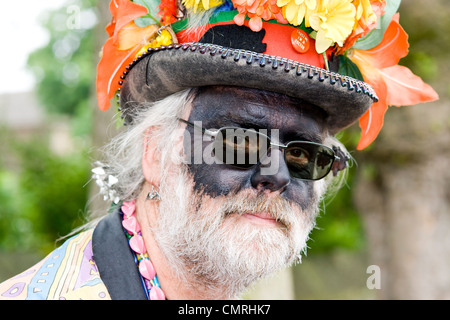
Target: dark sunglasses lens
239,147
244,148
309,161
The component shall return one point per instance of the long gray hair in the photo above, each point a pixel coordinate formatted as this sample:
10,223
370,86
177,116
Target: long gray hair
123,155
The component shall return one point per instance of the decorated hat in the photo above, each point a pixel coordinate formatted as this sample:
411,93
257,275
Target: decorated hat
339,55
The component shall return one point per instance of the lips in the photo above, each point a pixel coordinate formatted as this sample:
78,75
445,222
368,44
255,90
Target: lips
261,217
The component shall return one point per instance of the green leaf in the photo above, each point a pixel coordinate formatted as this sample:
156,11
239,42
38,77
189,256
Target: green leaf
348,68
150,18
374,37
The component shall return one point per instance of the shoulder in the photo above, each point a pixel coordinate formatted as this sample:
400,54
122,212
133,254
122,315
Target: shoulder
69,272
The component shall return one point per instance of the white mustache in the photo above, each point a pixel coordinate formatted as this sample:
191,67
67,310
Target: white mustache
279,208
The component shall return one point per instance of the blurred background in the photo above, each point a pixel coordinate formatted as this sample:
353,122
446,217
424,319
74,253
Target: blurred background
383,236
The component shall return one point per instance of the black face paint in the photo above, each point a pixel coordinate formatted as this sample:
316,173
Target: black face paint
218,107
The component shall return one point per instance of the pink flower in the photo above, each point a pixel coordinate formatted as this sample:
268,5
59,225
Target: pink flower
257,10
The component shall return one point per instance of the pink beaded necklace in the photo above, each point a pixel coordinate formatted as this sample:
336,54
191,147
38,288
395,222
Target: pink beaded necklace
137,244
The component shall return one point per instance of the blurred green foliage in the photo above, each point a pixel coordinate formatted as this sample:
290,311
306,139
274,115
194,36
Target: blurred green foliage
339,224
65,67
428,37
42,197
44,194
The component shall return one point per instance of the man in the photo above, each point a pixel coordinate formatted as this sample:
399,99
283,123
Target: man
229,146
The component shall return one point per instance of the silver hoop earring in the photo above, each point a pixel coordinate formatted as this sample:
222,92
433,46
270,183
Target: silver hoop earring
153,195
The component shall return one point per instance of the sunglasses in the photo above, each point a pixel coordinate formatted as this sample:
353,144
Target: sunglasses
244,148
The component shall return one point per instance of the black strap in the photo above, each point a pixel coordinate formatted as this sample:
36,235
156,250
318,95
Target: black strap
115,261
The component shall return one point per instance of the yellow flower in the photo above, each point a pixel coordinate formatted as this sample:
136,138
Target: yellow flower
367,15
334,21
364,12
296,10
201,5
163,39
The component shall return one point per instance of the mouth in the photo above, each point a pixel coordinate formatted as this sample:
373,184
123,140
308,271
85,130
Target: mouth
261,218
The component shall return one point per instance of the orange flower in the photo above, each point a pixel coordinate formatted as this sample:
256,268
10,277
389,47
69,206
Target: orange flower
123,12
131,35
120,49
257,10
395,85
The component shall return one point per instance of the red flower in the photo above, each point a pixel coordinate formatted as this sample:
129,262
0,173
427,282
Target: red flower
167,11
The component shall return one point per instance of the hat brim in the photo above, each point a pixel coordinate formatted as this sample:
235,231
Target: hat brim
163,71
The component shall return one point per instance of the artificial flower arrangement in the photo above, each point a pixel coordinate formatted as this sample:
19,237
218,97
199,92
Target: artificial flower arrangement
364,34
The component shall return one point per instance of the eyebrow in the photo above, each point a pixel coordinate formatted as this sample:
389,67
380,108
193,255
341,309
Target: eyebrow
304,136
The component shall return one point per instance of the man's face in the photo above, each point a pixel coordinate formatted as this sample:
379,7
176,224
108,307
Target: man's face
285,120
230,226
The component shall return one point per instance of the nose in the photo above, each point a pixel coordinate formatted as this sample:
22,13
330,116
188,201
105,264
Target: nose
272,174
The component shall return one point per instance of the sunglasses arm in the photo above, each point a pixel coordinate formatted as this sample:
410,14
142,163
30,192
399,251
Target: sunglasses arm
340,161
208,132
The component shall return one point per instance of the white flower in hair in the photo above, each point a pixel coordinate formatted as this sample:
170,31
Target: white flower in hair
105,181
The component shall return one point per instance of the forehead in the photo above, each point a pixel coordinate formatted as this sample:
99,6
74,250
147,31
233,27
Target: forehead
221,106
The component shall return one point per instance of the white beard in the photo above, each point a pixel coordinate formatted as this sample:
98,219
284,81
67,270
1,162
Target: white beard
207,242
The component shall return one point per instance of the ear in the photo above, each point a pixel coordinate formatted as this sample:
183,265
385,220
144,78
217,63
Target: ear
151,159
